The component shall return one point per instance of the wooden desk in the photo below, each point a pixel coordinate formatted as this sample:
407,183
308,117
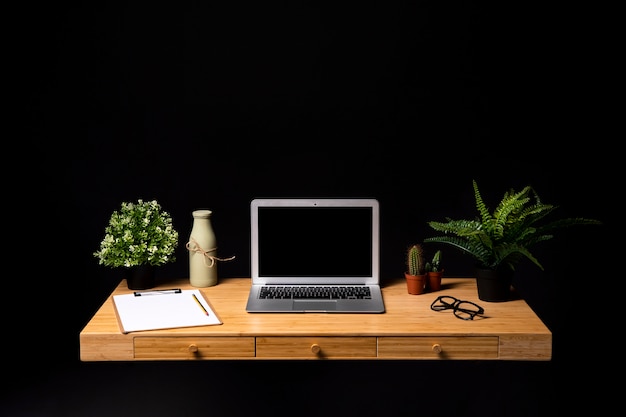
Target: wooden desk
408,329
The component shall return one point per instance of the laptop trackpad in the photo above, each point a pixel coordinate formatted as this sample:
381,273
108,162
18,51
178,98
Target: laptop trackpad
314,305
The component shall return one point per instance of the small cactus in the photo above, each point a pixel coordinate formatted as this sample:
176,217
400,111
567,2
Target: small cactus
415,260
435,264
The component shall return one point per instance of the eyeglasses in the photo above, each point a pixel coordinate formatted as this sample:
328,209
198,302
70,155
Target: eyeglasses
465,310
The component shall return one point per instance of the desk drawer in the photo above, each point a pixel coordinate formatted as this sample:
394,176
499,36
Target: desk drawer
193,347
444,347
316,347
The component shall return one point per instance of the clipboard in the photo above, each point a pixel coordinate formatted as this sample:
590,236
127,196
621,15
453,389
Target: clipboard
163,309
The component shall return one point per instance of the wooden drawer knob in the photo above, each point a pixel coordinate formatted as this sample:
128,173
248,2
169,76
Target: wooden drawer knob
193,348
437,348
315,348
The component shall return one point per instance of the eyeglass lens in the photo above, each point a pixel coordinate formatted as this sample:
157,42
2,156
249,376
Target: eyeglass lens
443,302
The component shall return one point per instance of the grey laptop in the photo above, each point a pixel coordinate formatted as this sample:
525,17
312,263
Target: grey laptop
315,255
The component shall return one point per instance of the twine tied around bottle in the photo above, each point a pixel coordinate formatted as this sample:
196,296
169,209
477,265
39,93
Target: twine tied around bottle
205,253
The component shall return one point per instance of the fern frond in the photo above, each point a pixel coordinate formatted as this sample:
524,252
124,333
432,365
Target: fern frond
457,227
483,211
511,254
471,247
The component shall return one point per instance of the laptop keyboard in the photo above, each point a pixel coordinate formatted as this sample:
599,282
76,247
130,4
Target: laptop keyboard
315,292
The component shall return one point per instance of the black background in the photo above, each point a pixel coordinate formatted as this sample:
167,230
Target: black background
208,106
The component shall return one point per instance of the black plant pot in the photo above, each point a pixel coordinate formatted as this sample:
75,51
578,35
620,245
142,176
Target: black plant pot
494,285
140,277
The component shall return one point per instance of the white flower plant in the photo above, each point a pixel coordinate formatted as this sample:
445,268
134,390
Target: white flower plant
139,233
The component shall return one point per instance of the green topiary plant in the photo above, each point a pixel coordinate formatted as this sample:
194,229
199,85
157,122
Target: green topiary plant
139,233
415,260
503,237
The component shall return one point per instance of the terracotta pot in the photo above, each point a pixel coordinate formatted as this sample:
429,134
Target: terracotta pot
433,283
415,284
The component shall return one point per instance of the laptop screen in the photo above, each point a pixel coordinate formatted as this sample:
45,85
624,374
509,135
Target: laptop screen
315,240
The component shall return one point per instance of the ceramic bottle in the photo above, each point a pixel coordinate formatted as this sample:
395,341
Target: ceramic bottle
202,250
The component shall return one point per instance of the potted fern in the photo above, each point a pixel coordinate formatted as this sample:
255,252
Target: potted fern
415,273
139,236
498,240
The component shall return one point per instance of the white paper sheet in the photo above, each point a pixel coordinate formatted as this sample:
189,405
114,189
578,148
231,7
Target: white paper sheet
155,310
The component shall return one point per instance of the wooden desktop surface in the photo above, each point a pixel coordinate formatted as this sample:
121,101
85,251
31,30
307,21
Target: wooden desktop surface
408,329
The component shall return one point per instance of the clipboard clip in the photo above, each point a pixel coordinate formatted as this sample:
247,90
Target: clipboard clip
158,292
